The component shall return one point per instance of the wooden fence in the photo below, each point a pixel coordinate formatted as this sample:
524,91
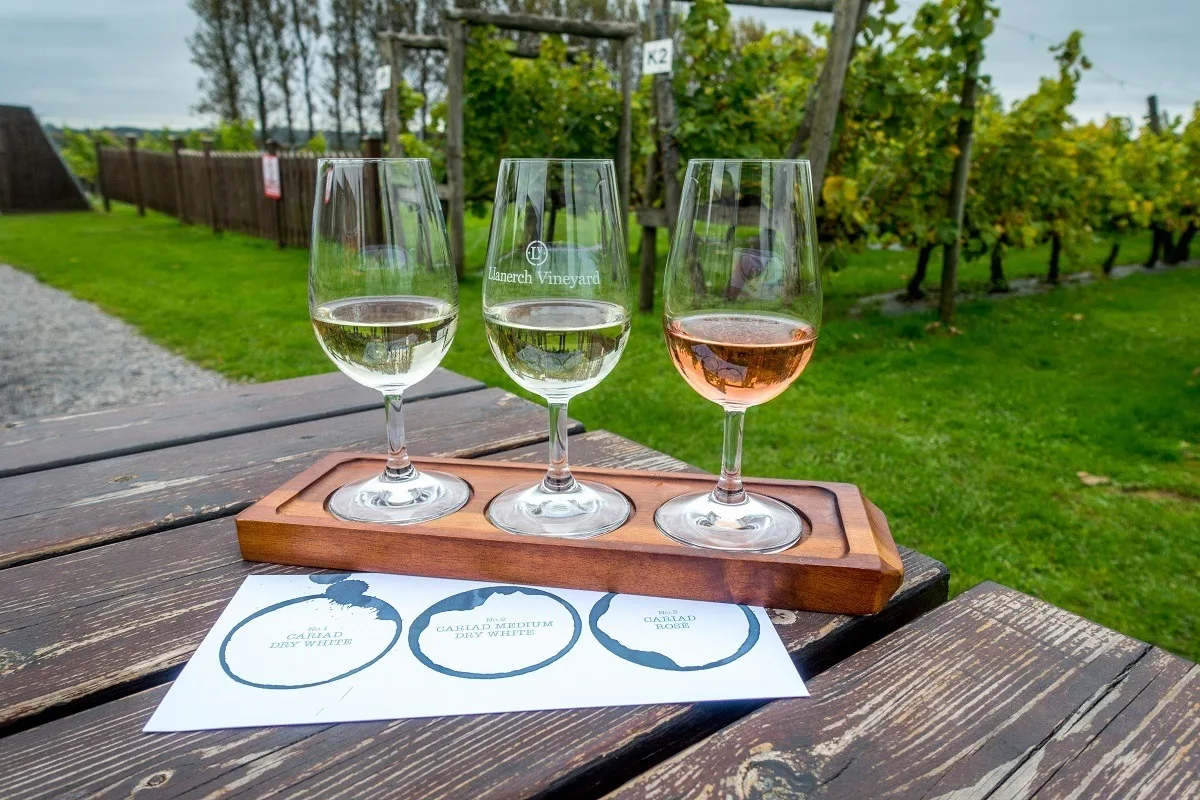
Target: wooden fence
221,190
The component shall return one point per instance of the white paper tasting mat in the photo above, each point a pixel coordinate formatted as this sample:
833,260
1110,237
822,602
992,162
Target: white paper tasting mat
291,650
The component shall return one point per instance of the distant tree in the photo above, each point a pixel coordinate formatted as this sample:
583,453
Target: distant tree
428,63
335,58
317,144
305,19
276,15
226,137
360,49
78,149
214,47
257,47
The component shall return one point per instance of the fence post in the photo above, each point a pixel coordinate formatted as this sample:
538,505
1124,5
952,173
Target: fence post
100,174
273,149
207,144
372,147
131,149
181,209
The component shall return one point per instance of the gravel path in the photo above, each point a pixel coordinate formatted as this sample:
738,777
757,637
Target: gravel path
59,355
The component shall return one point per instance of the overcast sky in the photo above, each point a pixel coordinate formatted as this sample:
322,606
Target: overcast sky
105,62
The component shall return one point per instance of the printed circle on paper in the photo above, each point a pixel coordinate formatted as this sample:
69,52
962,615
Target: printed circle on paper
676,635
495,632
312,640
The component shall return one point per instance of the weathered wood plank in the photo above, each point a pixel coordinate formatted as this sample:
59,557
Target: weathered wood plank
111,615
1136,740
75,438
564,752
604,449
178,588
596,29
64,509
996,694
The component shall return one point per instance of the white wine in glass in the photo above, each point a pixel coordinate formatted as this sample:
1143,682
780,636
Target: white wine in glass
741,314
383,298
556,306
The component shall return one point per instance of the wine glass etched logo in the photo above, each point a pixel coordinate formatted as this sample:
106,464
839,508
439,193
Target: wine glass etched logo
514,630
311,640
536,253
674,635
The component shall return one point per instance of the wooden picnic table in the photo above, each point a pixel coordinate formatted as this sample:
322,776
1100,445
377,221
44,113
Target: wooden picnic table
118,551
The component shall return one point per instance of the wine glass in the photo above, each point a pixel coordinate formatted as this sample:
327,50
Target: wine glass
383,298
556,305
741,312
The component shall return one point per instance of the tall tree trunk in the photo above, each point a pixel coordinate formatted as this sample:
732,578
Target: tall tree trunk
1055,257
287,111
1182,251
308,104
252,36
999,282
914,291
306,66
1109,262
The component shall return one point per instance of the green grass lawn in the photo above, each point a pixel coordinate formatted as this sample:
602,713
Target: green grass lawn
969,443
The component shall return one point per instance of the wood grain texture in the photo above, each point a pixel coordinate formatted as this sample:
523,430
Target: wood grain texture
594,29
993,695
59,510
100,752
845,563
113,615
75,438
68,632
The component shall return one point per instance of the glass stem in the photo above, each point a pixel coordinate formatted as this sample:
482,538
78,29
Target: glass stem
558,476
399,468
729,487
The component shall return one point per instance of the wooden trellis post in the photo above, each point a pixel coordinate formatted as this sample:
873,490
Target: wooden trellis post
393,56
458,19
822,118
815,128
455,66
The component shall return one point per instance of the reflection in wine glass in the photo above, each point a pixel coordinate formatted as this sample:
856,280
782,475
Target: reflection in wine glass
556,305
383,299
741,312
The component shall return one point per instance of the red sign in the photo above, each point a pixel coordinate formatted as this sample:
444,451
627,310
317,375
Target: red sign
271,184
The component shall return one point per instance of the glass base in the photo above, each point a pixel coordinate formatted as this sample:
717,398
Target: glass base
756,525
422,497
586,510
